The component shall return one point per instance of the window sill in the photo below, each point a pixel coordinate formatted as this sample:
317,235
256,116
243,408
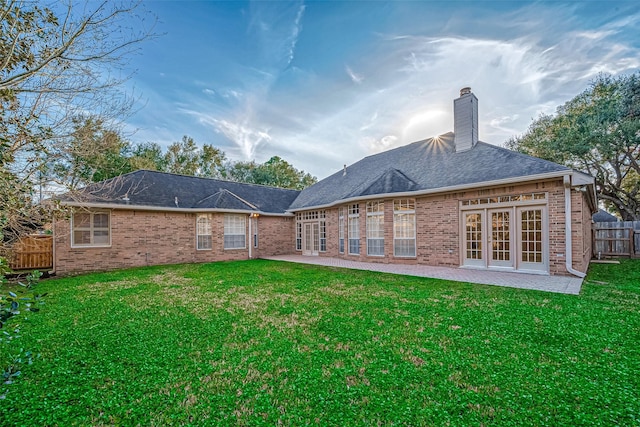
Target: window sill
89,246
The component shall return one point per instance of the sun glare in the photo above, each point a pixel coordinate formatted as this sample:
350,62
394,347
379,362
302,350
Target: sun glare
423,125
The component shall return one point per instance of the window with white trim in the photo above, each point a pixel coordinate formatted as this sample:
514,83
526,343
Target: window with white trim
354,229
203,232
341,230
91,229
235,227
298,235
323,234
375,228
404,228
255,232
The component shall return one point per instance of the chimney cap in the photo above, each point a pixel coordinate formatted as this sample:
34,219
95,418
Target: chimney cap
465,91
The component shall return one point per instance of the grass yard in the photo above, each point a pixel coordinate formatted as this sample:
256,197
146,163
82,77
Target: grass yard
271,343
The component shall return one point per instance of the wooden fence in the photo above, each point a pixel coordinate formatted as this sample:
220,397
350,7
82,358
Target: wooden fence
33,252
620,238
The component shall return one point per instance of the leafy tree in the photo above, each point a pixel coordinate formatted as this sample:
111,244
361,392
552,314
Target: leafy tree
241,171
597,132
182,157
211,162
185,157
147,156
280,173
94,152
275,172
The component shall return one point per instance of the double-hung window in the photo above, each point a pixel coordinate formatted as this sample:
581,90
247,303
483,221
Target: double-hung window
91,229
404,228
354,229
235,227
375,228
323,232
341,230
203,232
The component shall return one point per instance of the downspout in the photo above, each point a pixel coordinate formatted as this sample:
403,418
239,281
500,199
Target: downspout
249,239
567,229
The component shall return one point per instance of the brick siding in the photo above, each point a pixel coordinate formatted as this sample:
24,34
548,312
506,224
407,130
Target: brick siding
438,228
140,238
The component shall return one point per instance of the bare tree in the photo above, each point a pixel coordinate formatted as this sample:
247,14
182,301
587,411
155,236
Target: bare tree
57,62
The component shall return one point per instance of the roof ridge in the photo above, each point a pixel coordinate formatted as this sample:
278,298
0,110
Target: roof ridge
251,205
208,197
206,178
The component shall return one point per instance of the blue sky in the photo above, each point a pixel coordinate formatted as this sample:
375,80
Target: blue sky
322,84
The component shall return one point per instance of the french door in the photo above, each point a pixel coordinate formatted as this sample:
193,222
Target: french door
532,236
310,238
513,238
499,238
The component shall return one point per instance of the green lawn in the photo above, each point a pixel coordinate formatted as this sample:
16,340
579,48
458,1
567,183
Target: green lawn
271,343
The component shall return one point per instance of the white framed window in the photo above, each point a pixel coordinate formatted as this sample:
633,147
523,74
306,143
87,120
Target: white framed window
341,230
375,228
203,232
298,232
404,228
91,229
235,227
354,229
255,232
323,234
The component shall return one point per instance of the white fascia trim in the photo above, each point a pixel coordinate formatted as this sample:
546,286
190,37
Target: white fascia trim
451,189
117,206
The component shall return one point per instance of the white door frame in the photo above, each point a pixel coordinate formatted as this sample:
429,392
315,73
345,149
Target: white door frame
477,246
499,235
473,241
536,246
310,238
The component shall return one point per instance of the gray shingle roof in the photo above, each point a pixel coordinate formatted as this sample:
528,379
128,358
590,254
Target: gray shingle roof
604,216
424,165
159,189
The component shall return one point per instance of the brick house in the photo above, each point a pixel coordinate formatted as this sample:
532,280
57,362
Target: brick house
450,201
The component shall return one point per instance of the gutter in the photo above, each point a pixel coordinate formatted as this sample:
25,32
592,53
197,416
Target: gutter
567,229
168,209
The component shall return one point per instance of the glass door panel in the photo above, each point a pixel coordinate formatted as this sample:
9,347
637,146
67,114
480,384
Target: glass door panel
501,249
532,249
473,250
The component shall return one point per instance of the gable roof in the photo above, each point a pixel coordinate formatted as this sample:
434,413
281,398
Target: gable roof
604,216
145,188
430,164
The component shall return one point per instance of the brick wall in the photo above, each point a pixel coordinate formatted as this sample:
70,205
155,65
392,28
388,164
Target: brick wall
276,236
148,238
438,228
140,238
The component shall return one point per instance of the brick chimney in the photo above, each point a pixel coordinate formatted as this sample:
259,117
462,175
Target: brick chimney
465,120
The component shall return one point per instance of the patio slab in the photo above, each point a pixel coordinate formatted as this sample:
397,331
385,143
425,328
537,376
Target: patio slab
558,284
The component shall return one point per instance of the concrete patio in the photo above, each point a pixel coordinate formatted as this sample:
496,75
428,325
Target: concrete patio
559,284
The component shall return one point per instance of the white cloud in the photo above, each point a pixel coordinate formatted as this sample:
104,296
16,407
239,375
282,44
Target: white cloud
247,138
535,59
356,78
